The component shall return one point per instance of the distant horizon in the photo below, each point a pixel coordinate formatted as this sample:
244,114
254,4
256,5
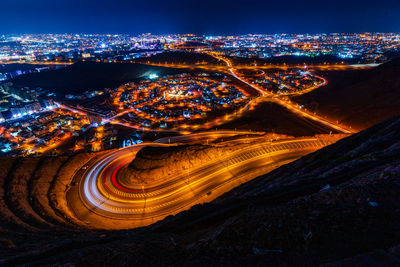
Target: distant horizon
209,17
199,34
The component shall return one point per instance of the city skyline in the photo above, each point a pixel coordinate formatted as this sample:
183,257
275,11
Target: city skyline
207,17
198,133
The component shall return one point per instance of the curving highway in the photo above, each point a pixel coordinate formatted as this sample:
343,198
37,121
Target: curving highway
105,202
102,200
292,107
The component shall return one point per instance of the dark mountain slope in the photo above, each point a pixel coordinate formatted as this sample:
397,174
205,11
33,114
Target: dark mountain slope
359,98
16,66
335,203
90,76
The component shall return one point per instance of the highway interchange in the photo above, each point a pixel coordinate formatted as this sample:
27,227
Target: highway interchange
103,200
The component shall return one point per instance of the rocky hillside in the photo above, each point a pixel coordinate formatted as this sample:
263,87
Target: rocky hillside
153,164
339,205
358,98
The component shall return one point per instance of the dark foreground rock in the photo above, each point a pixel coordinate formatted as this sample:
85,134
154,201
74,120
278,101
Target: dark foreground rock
337,206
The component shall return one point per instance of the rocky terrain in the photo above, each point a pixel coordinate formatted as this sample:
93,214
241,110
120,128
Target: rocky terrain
152,164
337,206
358,98
270,117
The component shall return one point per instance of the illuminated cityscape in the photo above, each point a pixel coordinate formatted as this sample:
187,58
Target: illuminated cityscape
155,103
211,133
362,47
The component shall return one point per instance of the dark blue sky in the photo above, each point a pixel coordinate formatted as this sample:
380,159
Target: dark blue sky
207,16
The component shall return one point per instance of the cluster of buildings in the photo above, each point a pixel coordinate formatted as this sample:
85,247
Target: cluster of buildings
363,47
75,47
18,103
40,132
176,100
287,81
31,122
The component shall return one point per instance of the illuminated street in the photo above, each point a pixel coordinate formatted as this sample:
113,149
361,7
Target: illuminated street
120,205
292,107
199,133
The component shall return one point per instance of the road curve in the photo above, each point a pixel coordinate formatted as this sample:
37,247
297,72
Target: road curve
104,202
292,107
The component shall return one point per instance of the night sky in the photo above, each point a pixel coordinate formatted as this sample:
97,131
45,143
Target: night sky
205,17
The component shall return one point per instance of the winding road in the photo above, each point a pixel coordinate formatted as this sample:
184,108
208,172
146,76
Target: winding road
290,106
105,202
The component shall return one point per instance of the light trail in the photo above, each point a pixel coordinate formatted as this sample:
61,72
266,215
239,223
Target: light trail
211,135
325,67
71,109
104,195
281,102
185,129
36,62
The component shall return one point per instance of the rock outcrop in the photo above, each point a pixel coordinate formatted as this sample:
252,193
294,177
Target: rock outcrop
153,164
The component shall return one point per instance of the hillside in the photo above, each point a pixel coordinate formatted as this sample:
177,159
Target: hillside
338,202
157,163
90,76
16,66
358,98
270,117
